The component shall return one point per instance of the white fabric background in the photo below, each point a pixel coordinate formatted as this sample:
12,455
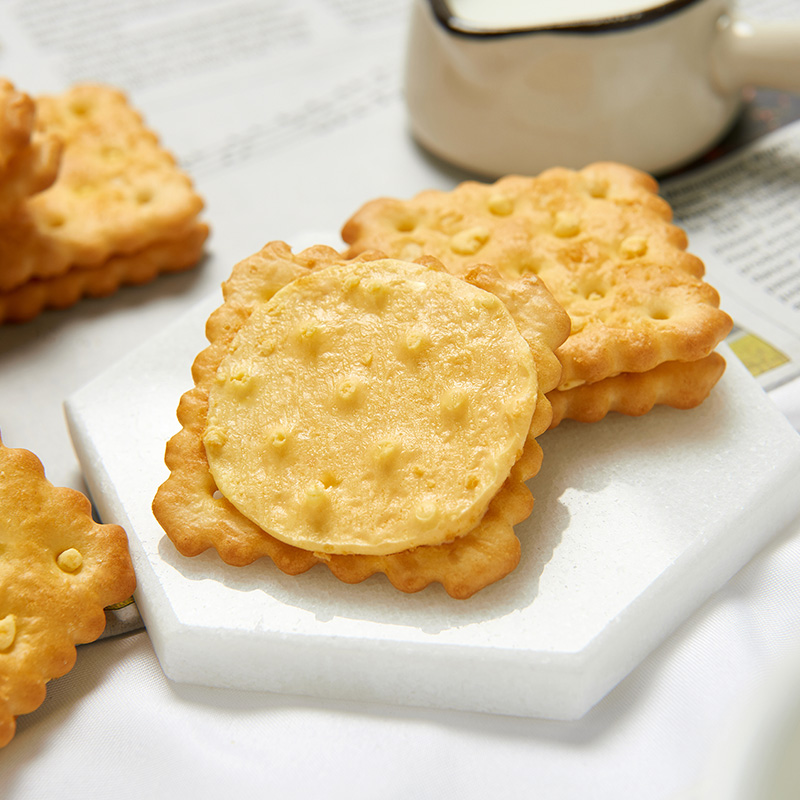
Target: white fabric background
116,727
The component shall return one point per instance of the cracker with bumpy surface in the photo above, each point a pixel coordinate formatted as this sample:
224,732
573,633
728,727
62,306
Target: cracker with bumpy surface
600,238
59,569
17,112
678,384
29,159
464,544
370,408
118,191
25,302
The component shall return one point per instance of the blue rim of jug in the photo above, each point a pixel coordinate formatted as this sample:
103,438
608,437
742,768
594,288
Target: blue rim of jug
452,22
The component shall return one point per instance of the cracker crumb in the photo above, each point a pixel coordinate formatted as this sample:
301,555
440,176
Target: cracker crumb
597,187
386,451
501,205
214,436
427,512
349,388
566,224
70,560
315,496
633,246
8,631
278,439
417,340
468,242
454,402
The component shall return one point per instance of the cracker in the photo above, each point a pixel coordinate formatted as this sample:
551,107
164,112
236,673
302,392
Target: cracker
118,190
29,159
17,120
678,384
59,570
305,435
197,517
541,321
482,556
27,301
600,238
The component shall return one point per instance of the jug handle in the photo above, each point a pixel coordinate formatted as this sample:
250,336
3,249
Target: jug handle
751,53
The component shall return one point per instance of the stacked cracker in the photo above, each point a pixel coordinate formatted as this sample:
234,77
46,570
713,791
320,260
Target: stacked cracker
29,158
372,415
644,323
89,201
319,426
59,570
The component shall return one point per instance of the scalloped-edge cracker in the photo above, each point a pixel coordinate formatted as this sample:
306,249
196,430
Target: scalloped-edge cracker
600,238
118,191
196,516
27,301
17,114
370,407
59,570
678,384
29,159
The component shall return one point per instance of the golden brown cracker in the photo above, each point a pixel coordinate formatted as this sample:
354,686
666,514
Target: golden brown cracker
58,571
679,384
196,516
17,120
30,172
27,301
118,190
29,159
305,434
542,322
600,238
482,556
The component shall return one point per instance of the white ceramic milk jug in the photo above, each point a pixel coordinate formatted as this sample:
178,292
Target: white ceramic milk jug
517,86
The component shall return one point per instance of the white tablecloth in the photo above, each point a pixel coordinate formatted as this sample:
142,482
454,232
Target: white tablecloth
116,727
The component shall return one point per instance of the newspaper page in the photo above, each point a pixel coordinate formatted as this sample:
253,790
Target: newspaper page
742,214
247,94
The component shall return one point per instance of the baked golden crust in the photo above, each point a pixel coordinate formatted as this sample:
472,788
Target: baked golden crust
600,238
679,384
196,517
17,113
29,159
59,569
370,408
26,301
118,192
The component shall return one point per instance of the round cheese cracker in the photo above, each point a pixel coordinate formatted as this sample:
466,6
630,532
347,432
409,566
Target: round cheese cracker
370,408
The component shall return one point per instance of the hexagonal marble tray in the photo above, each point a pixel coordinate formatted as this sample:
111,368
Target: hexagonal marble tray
636,523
